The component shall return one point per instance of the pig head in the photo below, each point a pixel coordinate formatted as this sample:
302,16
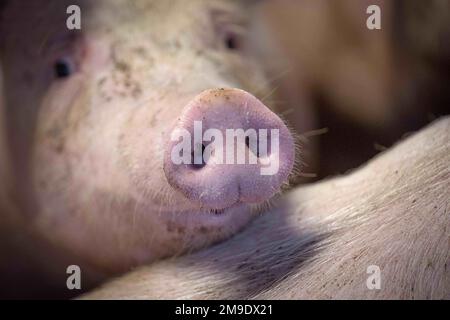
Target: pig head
89,115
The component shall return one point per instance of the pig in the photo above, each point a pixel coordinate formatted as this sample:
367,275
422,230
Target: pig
368,88
389,219
88,119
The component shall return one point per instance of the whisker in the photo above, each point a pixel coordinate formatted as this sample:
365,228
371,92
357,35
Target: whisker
271,92
314,133
271,80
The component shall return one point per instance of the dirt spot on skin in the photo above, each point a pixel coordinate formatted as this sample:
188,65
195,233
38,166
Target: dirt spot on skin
170,227
122,66
60,147
101,82
174,228
136,92
181,230
57,138
154,117
203,230
141,52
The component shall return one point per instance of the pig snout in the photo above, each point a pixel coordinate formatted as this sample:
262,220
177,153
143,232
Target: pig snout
227,148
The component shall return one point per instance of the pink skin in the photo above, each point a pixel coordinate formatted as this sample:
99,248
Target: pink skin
88,149
221,186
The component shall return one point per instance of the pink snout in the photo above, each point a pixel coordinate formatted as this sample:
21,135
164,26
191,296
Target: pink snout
227,148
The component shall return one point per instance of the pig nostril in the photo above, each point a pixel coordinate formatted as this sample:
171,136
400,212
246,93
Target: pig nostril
256,151
217,211
195,165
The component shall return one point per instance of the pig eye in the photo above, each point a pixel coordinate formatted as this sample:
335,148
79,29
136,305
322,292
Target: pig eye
63,68
231,41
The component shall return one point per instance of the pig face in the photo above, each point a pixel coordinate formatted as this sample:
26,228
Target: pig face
90,114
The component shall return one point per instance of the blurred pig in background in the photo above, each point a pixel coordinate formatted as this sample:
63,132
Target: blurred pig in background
360,89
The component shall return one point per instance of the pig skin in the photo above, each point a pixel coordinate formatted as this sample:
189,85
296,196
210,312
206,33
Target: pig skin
319,241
